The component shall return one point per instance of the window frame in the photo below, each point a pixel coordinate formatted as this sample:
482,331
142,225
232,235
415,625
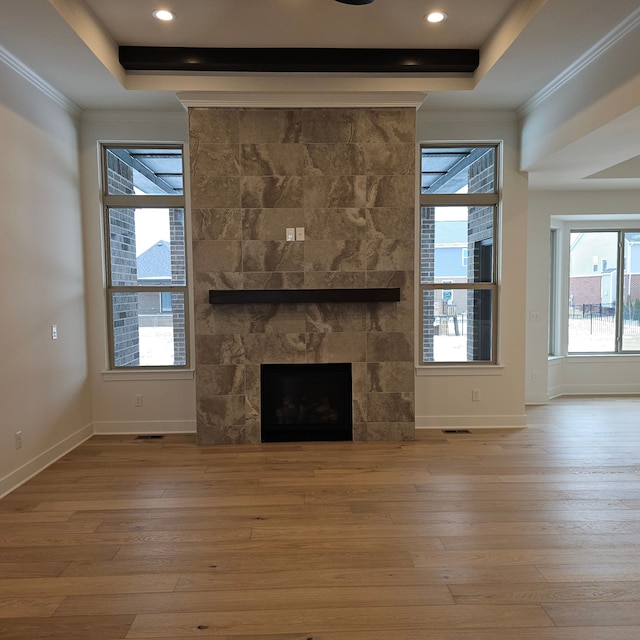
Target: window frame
139,201
620,262
552,333
489,199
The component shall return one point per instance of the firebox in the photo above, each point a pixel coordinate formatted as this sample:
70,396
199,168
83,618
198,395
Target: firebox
306,402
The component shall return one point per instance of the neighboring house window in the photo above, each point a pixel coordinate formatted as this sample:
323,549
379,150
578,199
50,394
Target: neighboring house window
165,302
144,202
604,305
459,202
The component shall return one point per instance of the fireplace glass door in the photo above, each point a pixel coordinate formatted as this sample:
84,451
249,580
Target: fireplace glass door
306,402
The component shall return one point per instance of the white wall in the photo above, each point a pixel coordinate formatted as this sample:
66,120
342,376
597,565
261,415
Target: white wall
443,396
168,398
537,340
599,374
44,389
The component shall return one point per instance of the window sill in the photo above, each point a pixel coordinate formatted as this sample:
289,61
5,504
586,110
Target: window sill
595,358
460,370
148,374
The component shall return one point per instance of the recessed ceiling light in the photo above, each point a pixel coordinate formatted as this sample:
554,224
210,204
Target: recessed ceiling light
436,16
164,15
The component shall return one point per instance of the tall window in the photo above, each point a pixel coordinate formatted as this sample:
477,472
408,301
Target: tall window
604,292
143,200
458,276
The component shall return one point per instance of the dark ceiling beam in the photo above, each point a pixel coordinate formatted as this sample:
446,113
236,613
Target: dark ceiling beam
299,60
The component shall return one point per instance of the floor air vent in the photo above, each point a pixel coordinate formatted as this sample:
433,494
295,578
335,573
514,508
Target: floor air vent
456,431
149,437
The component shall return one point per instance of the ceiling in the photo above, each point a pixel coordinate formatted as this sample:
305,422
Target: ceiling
525,47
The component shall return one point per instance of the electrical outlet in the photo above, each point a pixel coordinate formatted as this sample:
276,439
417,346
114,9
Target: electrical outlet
18,439
137,400
290,234
54,331
475,395
535,377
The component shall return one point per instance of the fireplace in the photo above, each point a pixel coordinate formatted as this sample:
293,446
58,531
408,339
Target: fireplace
343,294
306,402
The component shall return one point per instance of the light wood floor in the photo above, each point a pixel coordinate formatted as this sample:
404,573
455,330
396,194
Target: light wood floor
525,535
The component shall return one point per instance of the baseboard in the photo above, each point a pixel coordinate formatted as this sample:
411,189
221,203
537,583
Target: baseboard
536,399
471,422
149,427
594,390
32,468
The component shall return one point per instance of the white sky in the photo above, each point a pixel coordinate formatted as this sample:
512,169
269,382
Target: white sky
152,225
447,214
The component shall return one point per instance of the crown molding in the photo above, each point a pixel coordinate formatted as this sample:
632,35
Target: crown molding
599,49
36,81
168,117
467,115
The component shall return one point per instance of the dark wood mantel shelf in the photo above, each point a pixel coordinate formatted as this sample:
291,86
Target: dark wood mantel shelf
276,296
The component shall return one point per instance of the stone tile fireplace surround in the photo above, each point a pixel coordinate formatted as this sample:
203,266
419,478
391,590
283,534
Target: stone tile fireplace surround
347,175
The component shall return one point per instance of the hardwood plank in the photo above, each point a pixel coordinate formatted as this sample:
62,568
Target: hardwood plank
591,572
40,518
453,534
428,505
245,562
604,517
493,557
68,553
547,633
24,569
73,497
198,536
344,619
28,607
359,478
594,614
76,485
358,577
229,514
77,628
364,536
98,585
257,600
194,523
548,541
539,593
17,532
170,503
282,546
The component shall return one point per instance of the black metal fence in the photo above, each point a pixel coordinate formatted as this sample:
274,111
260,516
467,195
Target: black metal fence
602,318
